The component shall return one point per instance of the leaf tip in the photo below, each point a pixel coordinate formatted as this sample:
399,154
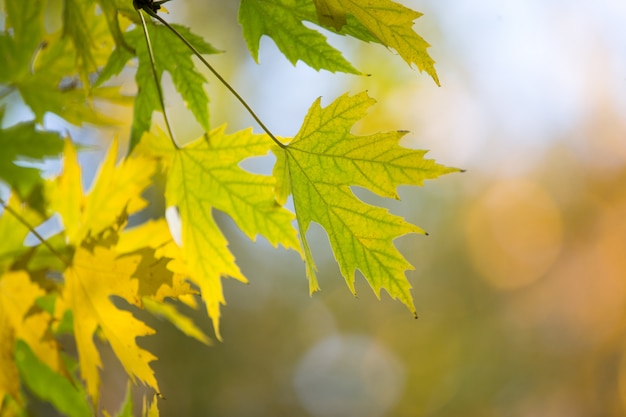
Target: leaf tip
313,287
218,334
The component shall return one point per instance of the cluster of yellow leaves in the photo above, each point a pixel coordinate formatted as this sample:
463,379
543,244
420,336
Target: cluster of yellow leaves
107,262
96,272
141,265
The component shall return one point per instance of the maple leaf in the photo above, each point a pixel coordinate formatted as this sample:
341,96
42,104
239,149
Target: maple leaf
330,13
170,55
25,20
318,167
9,382
160,275
205,175
20,319
90,283
13,231
23,142
282,21
182,322
111,10
148,409
49,385
76,24
390,22
41,66
116,190
381,21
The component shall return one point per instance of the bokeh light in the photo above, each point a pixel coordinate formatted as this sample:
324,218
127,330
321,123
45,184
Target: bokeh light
348,376
513,233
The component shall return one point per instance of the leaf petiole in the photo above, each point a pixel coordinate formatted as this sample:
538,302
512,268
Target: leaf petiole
151,8
151,12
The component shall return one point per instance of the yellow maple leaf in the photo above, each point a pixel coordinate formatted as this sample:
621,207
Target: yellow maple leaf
161,272
13,230
391,23
206,175
9,383
89,284
116,189
20,320
171,313
65,194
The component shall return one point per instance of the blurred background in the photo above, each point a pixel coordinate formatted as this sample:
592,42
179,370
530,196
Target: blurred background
520,286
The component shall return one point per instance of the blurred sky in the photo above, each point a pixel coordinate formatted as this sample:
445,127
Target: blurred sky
514,74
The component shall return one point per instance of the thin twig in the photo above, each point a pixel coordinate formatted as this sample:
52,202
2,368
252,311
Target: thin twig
222,80
34,232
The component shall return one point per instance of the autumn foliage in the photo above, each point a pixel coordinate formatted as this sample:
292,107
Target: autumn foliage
70,283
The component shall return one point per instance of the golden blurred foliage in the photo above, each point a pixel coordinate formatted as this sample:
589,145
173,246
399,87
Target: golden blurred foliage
514,233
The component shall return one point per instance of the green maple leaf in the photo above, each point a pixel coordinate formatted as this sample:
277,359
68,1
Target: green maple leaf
205,175
41,94
82,25
282,21
170,55
91,32
25,19
111,10
23,142
318,167
77,24
49,385
41,65
381,21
